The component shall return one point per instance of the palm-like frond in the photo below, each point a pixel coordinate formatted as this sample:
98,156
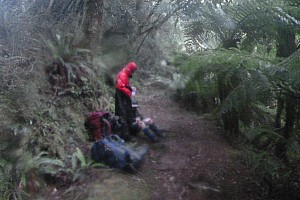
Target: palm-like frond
286,75
65,7
247,22
261,20
209,21
62,48
59,10
241,73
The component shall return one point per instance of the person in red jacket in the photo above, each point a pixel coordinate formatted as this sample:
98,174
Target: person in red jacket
123,97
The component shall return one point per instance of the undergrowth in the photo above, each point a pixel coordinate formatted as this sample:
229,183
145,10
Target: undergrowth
239,85
44,119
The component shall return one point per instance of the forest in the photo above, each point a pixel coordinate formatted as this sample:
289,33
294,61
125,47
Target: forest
233,62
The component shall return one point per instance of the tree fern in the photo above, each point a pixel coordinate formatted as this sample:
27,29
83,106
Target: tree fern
261,136
261,21
290,69
62,48
243,23
208,22
241,73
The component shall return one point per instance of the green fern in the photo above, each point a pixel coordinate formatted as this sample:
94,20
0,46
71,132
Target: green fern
62,8
250,25
80,164
78,159
62,48
264,138
41,165
10,182
242,75
293,153
5,185
289,71
268,167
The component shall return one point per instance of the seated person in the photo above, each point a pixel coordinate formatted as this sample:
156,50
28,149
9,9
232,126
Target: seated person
147,126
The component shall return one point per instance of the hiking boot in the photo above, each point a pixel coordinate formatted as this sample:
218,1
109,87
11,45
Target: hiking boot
136,157
155,140
157,132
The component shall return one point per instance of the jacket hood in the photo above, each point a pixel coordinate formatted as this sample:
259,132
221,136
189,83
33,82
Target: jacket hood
130,68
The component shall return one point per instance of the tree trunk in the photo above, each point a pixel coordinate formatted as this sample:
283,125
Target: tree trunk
231,123
91,22
286,46
229,117
298,115
279,109
291,114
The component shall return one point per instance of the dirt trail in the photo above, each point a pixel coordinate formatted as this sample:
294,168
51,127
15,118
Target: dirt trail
193,162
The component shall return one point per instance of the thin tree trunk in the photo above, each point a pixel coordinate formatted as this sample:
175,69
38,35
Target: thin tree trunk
291,114
298,115
285,47
230,117
50,5
279,109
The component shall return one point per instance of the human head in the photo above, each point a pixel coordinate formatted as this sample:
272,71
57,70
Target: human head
131,67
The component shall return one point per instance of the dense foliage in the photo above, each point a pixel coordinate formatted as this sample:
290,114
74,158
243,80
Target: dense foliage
246,76
240,62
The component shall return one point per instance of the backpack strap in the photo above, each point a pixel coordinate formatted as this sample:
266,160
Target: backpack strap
106,128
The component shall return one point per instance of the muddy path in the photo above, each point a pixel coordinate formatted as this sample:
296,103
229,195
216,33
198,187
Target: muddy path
193,162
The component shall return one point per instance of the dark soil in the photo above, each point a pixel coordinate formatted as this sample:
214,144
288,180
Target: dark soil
197,162
193,162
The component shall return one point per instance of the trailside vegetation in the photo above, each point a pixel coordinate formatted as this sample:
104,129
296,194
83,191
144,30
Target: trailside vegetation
239,62
53,72
246,76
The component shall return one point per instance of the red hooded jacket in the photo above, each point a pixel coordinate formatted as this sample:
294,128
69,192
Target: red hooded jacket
122,79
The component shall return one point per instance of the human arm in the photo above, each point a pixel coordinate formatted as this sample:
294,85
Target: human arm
123,84
148,121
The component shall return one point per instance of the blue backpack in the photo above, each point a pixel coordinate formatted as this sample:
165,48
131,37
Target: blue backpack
113,151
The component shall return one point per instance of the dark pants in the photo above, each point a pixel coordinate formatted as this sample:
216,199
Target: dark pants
124,110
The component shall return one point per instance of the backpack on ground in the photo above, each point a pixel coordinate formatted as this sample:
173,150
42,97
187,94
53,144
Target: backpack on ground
111,150
98,125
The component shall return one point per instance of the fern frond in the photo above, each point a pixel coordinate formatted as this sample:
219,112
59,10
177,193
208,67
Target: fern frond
286,74
98,165
41,164
62,48
241,73
250,23
261,131
78,155
51,162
